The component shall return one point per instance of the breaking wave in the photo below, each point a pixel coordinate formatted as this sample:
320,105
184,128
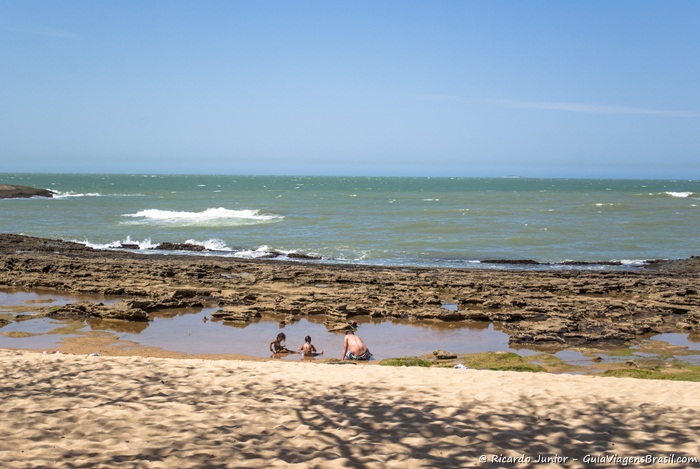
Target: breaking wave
145,244
678,194
210,217
70,195
212,246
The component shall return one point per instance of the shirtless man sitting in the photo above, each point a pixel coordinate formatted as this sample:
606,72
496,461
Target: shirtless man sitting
354,348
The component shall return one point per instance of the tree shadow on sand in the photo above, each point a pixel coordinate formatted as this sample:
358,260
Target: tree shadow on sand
357,429
242,423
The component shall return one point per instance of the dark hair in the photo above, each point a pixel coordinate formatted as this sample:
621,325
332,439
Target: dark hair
307,338
281,336
349,331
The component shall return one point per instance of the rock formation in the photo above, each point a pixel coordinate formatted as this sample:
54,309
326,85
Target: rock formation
22,192
556,309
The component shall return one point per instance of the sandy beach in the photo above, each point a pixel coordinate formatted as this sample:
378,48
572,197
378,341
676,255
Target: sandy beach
78,411
349,235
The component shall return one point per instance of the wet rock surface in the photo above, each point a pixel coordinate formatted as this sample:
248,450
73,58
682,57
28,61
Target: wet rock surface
554,309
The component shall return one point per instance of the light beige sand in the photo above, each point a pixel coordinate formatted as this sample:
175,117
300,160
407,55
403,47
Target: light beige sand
77,411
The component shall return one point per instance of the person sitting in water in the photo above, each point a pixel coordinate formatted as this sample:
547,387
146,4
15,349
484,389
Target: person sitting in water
308,350
354,348
276,345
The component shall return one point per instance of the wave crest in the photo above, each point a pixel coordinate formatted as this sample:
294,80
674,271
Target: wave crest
69,195
210,244
210,217
680,194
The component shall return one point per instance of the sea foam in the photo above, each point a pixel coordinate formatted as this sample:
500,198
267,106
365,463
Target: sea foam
265,251
145,244
210,244
679,194
68,195
210,217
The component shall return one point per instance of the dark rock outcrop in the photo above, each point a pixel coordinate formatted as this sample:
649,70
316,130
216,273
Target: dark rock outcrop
8,191
180,247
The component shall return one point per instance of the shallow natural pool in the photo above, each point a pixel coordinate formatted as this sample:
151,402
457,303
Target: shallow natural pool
191,331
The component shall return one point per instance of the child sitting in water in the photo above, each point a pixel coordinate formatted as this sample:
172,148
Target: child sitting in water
308,350
276,345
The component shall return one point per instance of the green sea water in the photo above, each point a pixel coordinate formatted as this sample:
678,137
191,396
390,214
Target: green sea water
448,222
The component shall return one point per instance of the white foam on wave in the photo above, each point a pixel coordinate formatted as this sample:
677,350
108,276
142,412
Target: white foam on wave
679,194
210,217
68,195
145,244
265,251
71,195
632,262
262,251
210,244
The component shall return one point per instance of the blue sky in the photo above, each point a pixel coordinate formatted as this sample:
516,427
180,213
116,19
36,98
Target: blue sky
435,88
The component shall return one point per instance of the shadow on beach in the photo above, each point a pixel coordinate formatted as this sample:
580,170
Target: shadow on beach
78,412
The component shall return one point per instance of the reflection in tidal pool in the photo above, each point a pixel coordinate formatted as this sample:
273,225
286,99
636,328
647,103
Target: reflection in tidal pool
38,298
191,333
40,333
691,341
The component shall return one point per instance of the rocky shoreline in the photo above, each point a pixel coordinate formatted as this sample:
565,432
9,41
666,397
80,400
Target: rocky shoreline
553,309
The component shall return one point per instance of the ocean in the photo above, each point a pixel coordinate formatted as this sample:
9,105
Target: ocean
391,221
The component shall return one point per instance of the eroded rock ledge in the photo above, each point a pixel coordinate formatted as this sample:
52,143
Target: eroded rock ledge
557,309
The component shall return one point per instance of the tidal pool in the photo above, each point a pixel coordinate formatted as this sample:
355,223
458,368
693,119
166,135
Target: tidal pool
25,300
192,331
192,334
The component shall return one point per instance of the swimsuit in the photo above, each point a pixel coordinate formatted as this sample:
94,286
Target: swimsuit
364,356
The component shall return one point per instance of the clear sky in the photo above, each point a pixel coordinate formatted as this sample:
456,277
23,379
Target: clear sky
437,88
